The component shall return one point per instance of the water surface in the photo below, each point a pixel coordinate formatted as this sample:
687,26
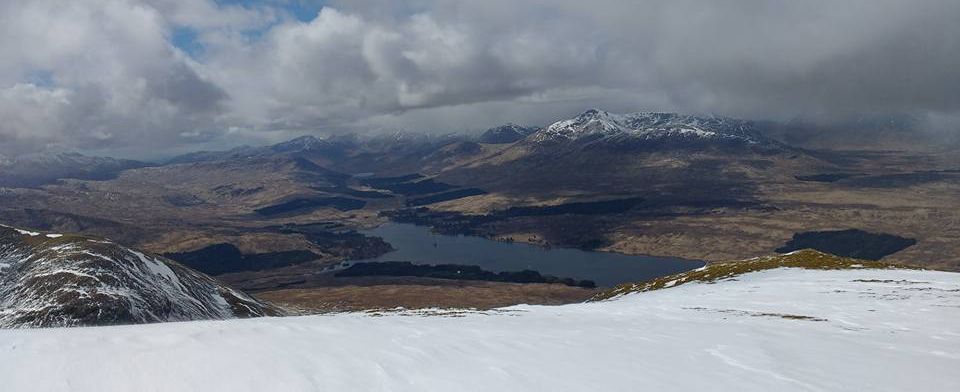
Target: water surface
417,244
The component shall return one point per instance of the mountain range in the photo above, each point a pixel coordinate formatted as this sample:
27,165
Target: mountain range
41,168
651,129
682,176
402,152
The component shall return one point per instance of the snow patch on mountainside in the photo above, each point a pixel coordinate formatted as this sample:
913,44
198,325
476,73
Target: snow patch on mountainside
777,330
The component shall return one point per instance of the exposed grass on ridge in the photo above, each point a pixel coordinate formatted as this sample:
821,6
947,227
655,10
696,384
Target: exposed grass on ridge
806,259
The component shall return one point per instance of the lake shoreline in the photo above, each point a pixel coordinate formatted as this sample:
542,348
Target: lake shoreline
421,245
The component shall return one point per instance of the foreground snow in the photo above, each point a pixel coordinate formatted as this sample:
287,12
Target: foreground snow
778,330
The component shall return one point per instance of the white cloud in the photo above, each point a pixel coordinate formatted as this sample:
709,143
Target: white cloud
31,112
109,75
113,76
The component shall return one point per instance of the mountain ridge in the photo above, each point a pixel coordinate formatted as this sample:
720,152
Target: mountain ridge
650,127
507,133
33,170
64,280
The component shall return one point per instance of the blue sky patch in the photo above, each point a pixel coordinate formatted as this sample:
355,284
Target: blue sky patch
187,39
41,78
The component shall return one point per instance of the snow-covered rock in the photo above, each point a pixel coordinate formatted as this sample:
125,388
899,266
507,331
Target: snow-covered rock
51,279
784,329
598,125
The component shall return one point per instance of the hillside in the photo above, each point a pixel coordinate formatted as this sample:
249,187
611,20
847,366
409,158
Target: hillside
55,280
33,170
783,329
804,259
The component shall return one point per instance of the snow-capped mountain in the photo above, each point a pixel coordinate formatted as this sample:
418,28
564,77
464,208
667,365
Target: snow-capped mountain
508,133
820,325
55,280
598,125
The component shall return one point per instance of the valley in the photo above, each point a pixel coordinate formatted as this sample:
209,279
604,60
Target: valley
653,186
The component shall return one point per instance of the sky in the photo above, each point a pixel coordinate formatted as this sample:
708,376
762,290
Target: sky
144,78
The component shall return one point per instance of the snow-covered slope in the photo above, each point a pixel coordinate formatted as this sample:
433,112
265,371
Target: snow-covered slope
64,280
774,330
598,125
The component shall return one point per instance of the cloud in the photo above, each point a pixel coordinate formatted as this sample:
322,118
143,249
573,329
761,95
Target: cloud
817,59
209,15
110,75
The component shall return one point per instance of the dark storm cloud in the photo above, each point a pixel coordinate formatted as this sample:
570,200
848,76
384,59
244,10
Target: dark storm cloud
114,78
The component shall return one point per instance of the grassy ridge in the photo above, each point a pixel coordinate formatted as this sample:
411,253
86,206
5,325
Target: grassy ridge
807,259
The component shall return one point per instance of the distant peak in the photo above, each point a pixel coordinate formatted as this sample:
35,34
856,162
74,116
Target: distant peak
592,112
302,143
597,124
303,140
507,133
509,126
